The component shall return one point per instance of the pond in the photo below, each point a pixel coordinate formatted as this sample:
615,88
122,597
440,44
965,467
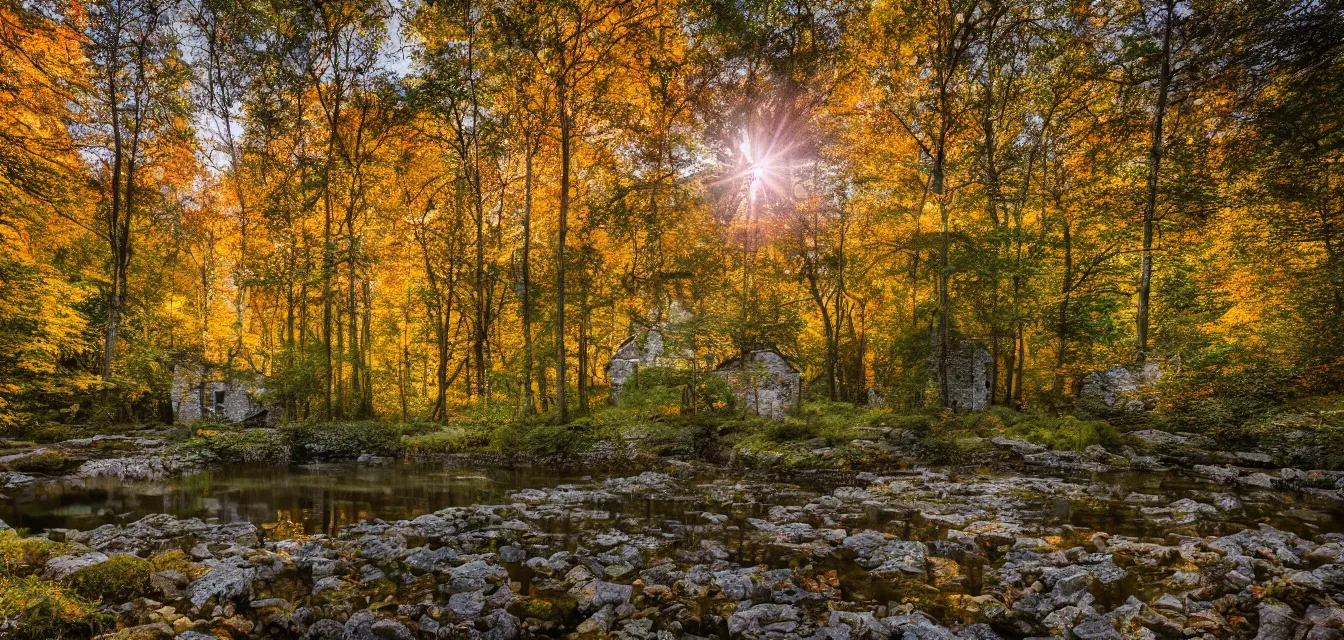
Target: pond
322,498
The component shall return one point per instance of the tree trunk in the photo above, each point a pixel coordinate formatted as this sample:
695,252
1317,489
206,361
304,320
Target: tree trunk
562,230
1154,171
529,402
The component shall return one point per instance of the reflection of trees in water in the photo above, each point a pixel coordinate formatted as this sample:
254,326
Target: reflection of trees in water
319,500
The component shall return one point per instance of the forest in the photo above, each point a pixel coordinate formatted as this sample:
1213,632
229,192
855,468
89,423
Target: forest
401,211
657,319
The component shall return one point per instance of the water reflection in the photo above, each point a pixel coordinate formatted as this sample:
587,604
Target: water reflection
319,499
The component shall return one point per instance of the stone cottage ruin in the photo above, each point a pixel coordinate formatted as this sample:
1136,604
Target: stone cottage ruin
642,349
765,382
200,395
645,348
969,377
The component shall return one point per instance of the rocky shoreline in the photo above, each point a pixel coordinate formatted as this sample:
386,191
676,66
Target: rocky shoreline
1047,544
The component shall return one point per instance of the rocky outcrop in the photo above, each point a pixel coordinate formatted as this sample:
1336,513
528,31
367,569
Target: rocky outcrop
1120,390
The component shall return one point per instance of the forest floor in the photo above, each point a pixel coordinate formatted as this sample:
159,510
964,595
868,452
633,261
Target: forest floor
861,525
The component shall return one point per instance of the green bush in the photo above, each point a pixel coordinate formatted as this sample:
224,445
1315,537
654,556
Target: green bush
49,433
946,447
325,441
122,577
46,611
1067,433
562,441
438,443
664,390
255,446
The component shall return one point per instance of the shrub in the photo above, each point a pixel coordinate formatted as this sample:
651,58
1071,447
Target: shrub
562,441
343,440
122,577
945,447
665,390
438,443
49,433
45,611
790,430
255,446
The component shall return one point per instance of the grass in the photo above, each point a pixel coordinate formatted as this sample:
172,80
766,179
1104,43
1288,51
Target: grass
1067,433
438,443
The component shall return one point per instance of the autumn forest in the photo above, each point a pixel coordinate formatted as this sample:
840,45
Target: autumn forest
664,319
403,210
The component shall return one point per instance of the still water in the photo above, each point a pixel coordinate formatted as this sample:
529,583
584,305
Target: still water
320,498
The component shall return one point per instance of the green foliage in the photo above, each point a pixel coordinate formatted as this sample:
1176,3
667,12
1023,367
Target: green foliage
665,390
438,443
562,441
20,556
47,611
122,577
1221,394
254,446
297,376
947,448
1066,432
343,440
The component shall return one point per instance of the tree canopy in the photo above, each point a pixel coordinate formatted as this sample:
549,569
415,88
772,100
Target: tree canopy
398,210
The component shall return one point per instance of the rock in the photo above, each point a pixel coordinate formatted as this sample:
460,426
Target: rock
1168,602
391,630
877,553
1096,628
431,560
1018,446
61,567
329,583
325,629
1116,389
169,584
606,593
360,626
195,635
228,580
467,605
599,622
1277,621
764,619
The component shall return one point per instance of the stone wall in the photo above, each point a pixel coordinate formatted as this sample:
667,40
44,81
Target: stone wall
969,377
224,400
768,385
643,349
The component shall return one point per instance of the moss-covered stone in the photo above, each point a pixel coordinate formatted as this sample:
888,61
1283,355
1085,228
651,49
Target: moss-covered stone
121,578
255,446
344,440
